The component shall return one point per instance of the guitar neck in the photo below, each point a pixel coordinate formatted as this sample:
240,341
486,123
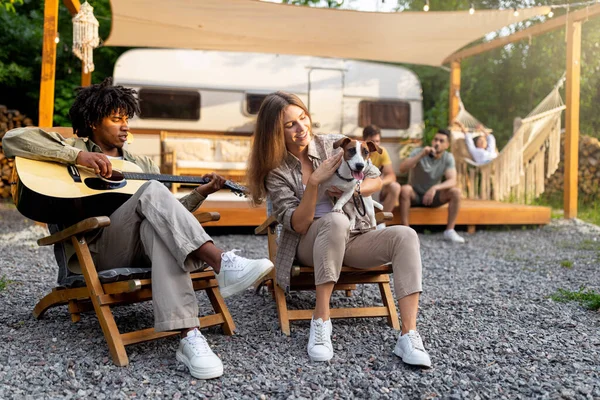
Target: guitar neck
165,178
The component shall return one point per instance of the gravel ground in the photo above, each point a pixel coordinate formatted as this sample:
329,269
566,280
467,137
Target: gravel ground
486,319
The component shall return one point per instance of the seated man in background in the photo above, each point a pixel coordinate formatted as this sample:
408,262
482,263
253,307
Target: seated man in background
427,166
152,228
390,192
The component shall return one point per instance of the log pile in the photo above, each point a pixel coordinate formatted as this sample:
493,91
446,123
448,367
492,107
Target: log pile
9,119
589,170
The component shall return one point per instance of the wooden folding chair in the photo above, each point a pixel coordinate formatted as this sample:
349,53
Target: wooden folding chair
303,278
99,291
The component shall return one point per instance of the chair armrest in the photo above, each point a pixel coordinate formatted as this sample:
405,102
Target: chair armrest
383,216
81,227
263,228
207,216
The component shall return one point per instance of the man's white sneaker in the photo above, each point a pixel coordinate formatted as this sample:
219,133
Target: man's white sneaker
238,273
319,341
452,236
410,349
195,353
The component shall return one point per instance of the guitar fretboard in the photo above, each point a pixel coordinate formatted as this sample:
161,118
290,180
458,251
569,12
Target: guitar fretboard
136,176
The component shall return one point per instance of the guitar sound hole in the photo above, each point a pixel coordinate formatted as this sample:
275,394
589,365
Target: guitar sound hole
103,184
116,177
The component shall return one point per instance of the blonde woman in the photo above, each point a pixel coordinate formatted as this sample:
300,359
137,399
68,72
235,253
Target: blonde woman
287,164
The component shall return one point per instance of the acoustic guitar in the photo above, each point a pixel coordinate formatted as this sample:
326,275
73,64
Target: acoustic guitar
51,192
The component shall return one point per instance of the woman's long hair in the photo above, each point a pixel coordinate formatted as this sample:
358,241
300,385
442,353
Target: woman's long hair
268,148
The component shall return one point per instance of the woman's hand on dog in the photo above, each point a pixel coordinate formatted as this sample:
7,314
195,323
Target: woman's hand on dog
326,169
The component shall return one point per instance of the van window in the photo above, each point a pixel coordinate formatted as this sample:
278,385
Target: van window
253,102
169,104
386,114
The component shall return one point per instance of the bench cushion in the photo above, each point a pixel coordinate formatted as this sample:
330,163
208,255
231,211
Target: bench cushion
201,152
193,149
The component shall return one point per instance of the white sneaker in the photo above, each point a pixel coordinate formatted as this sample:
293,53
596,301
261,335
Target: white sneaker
410,349
319,341
381,226
195,353
238,273
451,235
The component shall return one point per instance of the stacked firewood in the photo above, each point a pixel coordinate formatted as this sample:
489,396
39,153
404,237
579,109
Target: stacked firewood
589,170
9,119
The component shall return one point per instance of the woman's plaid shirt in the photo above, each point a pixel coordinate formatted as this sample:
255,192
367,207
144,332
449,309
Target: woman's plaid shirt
285,189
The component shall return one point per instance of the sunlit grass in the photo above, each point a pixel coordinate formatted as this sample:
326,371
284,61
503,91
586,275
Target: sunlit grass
588,211
587,298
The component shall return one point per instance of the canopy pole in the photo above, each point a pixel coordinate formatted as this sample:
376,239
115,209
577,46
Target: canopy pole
453,102
46,105
48,77
571,161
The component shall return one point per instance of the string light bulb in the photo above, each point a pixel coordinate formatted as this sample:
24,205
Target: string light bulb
472,9
516,13
57,38
426,6
550,14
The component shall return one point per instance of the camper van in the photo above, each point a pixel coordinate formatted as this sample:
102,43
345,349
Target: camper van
220,93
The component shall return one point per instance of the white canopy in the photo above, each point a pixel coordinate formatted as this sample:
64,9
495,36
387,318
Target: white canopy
255,26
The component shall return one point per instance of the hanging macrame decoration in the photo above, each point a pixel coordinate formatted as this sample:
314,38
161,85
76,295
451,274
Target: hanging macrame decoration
85,36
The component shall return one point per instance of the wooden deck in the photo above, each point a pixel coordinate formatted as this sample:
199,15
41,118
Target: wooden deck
471,214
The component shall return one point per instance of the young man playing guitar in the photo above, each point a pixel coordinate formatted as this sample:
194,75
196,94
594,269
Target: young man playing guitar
151,228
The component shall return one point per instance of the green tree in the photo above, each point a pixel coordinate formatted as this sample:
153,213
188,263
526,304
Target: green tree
507,82
9,5
21,36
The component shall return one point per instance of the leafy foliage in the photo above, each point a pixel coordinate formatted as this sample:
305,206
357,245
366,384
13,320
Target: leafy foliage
21,36
507,82
9,5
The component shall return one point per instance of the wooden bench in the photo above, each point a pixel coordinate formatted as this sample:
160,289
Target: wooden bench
196,154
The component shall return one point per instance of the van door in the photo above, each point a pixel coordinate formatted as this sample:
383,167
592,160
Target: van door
326,99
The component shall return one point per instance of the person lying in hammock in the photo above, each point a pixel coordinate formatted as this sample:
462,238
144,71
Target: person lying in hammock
482,145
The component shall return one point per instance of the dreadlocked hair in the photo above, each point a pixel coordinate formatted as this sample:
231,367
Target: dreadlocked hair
96,102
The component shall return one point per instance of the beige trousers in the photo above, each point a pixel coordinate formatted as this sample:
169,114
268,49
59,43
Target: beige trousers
327,245
153,229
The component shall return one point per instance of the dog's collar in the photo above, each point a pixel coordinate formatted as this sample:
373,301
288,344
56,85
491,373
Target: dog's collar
342,178
350,179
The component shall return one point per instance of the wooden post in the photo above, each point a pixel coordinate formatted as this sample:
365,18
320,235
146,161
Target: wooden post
86,79
453,101
572,119
46,105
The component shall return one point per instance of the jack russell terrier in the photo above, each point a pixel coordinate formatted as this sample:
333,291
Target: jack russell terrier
351,172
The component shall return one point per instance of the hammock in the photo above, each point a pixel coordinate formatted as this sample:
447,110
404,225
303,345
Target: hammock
529,157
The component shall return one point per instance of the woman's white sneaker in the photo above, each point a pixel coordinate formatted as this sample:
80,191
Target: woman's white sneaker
238,273
319,341
195,353
410,349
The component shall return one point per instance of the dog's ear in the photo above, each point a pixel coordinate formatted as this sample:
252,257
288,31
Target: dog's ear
373,147
341,142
